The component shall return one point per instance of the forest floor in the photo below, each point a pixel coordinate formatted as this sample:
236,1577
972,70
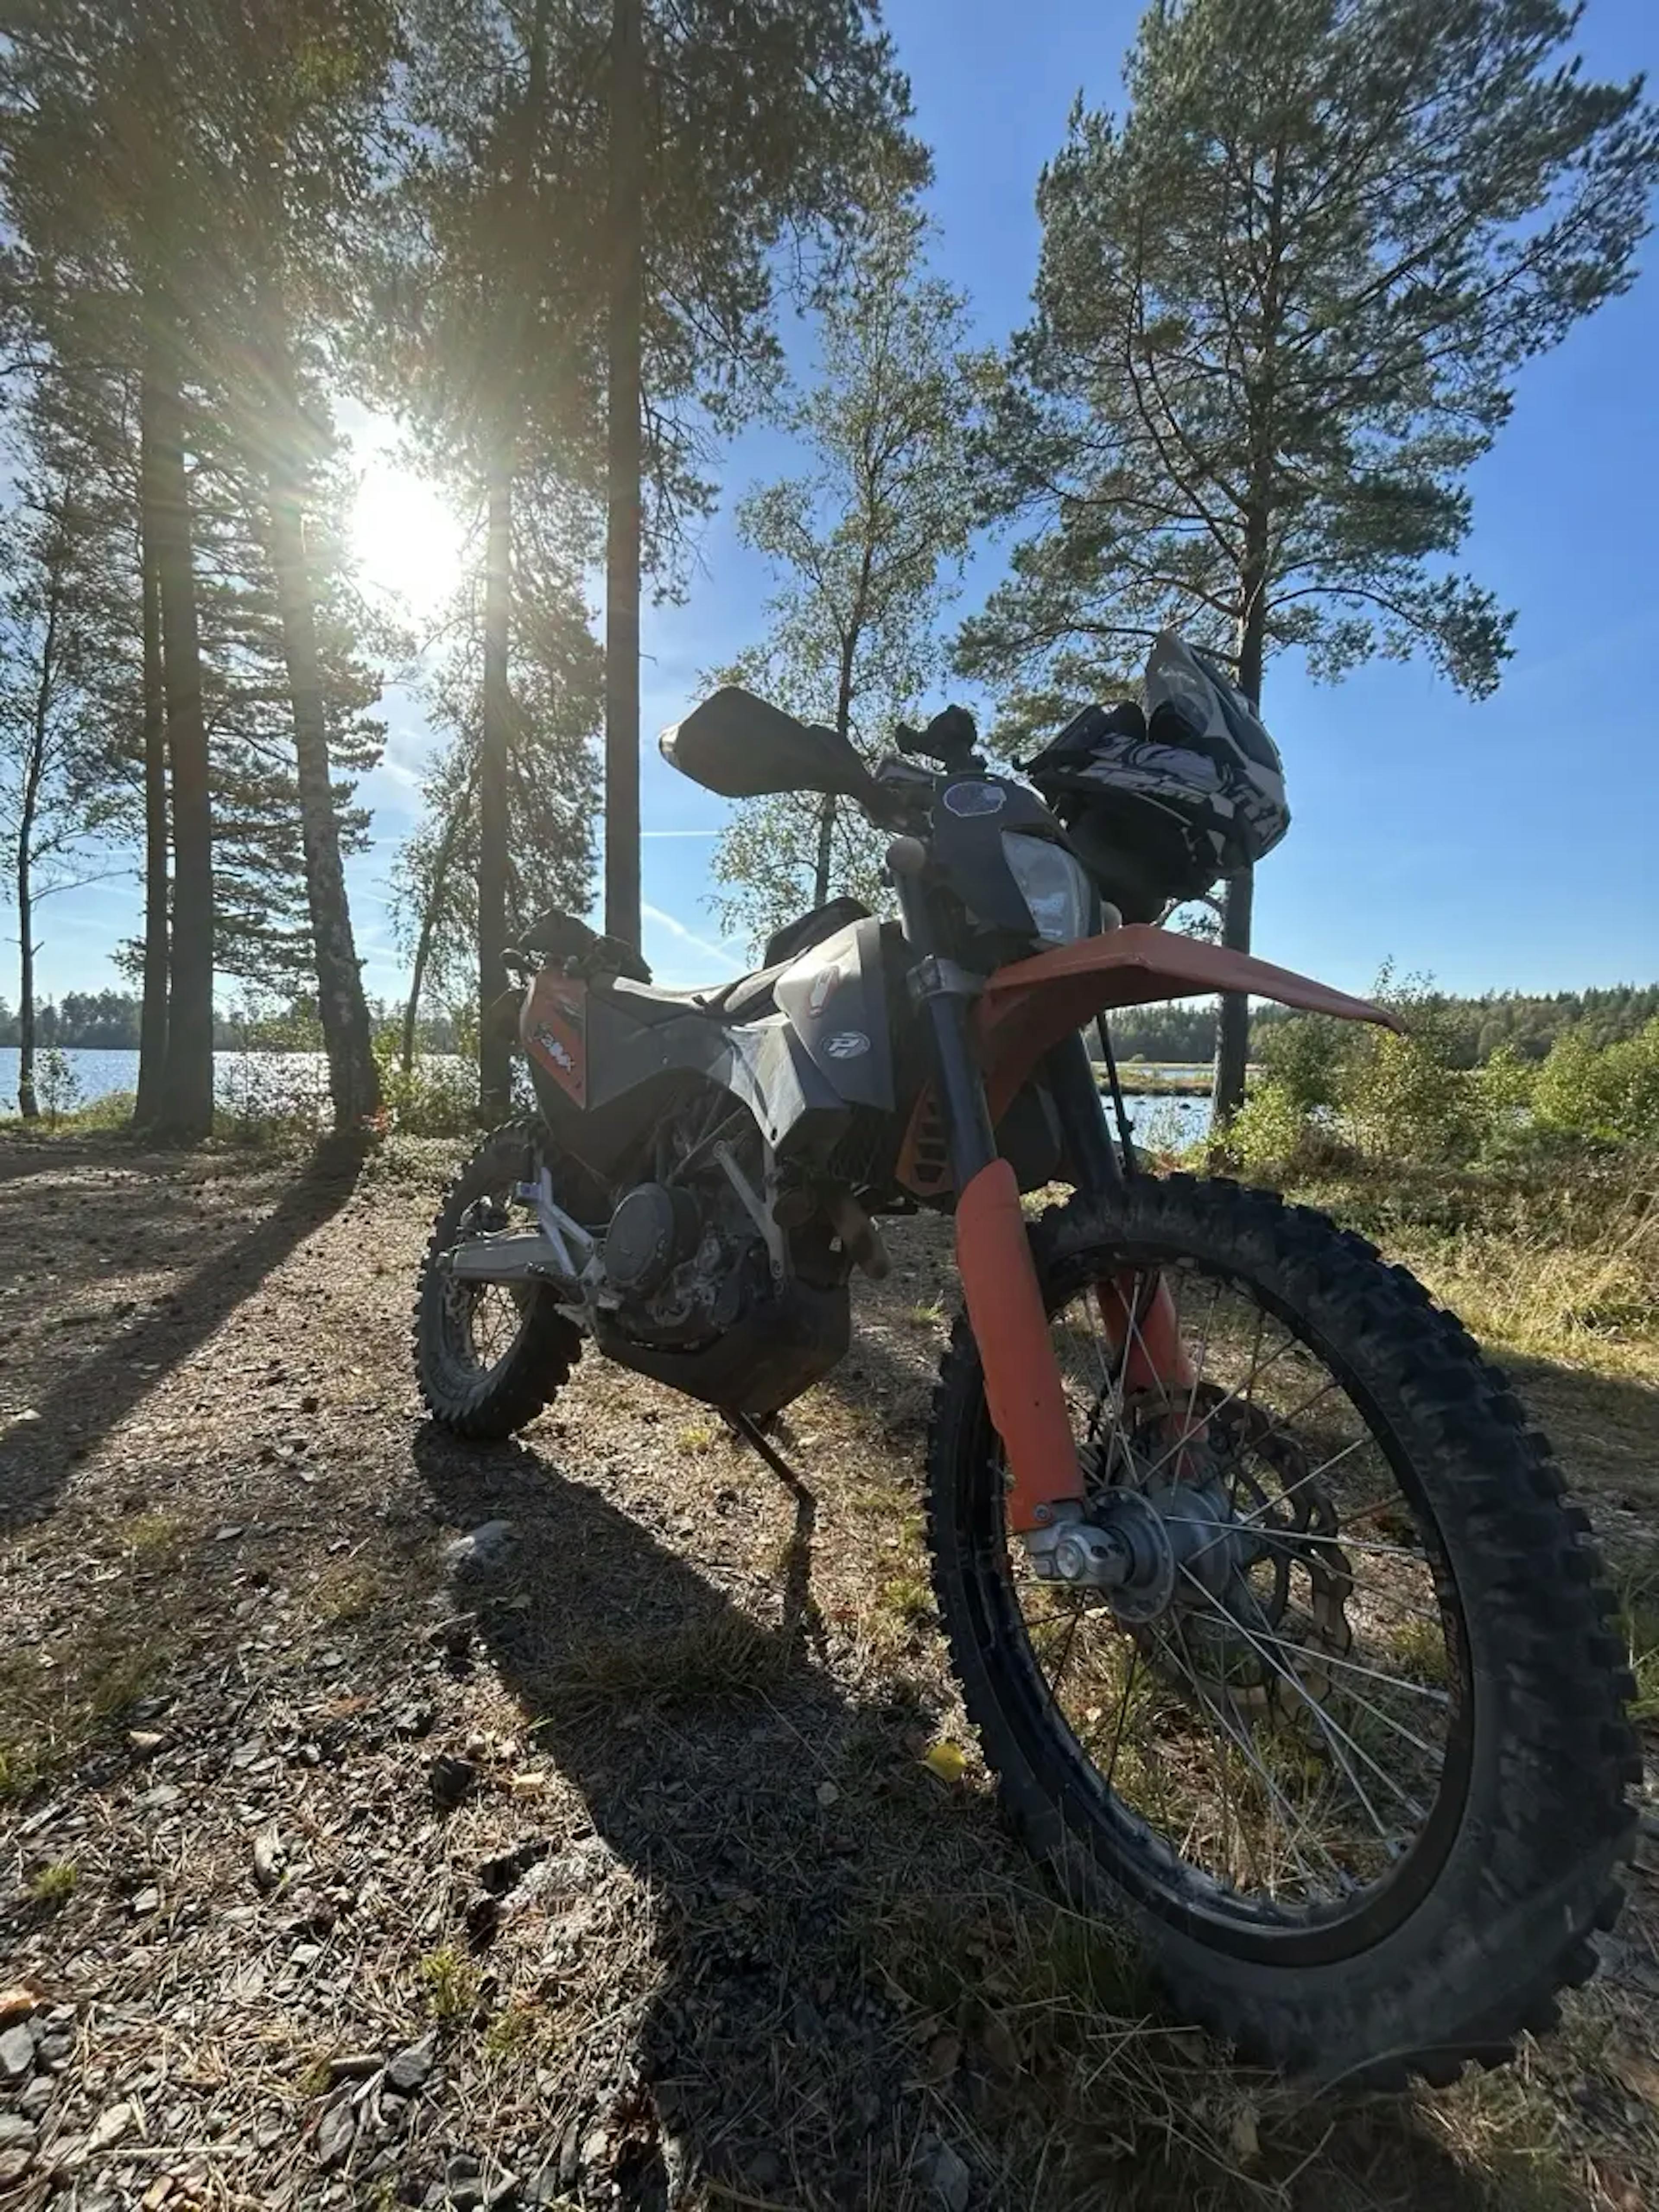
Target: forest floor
386,1821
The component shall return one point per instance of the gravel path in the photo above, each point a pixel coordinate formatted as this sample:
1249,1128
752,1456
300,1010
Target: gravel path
383,1821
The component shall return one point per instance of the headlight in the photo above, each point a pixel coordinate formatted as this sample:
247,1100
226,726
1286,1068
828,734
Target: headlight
1058,889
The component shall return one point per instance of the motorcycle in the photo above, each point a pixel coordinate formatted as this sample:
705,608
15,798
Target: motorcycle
1264,1597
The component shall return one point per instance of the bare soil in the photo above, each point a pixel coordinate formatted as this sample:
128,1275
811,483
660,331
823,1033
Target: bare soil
587,1820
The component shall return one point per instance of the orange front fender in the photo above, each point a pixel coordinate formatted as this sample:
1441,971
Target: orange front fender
1027,1007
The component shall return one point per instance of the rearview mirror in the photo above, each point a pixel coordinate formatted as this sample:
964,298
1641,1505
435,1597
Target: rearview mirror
738,745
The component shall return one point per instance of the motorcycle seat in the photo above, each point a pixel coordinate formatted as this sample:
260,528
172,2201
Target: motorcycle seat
746,997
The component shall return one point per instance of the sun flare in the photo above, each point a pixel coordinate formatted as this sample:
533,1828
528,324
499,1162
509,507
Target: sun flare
408,542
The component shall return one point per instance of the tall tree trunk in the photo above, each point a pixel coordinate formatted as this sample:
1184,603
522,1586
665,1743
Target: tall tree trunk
622,587
429,914
28,1105
34,775
495,1052
824,860
1233,1037
153,1019
353,1081
187,1105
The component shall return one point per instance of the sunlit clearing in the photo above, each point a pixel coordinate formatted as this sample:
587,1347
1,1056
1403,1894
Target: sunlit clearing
406,540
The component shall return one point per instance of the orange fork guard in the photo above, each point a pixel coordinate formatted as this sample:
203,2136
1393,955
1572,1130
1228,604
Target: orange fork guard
1023,1010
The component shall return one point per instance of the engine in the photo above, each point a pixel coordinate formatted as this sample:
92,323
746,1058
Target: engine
690,1296
682,1252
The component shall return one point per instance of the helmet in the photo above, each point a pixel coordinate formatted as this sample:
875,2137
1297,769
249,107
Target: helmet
1160,803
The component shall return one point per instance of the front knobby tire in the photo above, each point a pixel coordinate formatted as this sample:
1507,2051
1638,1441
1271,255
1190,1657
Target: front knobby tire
487,1360
1448,1956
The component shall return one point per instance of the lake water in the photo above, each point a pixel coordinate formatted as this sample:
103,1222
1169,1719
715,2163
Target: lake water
250,1082
262,1083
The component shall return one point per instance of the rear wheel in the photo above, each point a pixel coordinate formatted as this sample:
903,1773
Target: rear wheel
488,1356
1351,1749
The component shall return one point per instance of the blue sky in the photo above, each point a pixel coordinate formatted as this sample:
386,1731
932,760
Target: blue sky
1510,844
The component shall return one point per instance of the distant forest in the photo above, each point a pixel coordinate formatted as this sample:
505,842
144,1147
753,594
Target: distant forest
107,1021
1530,1024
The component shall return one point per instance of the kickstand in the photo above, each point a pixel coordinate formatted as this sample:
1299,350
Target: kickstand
800,1608
746,1426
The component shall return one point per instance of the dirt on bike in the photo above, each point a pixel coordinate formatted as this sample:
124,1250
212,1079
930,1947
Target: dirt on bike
1279,1633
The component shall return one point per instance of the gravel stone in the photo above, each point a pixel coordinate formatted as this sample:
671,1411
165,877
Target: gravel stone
16,2053
410,2069
481,1548
947,2174
335,2131
451,1778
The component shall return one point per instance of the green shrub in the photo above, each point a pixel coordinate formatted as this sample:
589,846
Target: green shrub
1501,1093
56,1085
1611,1095
1633,1075
1403,1098
1271,1126
438,1096
1306,1058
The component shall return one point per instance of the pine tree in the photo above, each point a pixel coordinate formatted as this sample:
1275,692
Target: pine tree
733,125
1280,309
300,159
54,764
868,546
582,303
553,679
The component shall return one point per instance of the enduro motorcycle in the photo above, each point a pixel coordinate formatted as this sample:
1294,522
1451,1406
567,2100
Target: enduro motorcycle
1263,1596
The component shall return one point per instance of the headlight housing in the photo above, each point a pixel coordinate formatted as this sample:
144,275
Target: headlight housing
1057,888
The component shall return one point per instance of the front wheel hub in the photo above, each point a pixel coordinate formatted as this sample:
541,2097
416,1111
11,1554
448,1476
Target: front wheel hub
1148,1550
1148,1586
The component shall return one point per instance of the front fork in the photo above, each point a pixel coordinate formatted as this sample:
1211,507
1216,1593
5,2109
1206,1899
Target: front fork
1047,1494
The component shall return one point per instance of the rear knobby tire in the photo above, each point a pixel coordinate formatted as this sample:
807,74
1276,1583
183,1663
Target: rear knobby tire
484,1403
1530,1871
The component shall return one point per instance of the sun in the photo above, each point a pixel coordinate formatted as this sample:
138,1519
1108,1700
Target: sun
408,544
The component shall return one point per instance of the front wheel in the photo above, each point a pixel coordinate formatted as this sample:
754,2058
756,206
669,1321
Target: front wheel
1353,1753
488,1356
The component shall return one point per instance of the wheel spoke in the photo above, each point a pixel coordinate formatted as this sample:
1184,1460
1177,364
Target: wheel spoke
1331,1730
1240,1740
1259,1731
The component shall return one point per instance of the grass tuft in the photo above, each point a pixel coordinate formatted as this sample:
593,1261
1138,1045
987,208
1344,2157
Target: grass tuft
344,1592
54,1885
451,1982
725,1655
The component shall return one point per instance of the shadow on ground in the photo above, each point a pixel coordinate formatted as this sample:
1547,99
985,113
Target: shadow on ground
82,1395
832,1929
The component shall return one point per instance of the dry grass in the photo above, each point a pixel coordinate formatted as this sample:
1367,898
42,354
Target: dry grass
59,1697
728,1656
1560,1264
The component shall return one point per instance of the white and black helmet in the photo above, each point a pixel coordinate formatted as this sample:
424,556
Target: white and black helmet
1162,801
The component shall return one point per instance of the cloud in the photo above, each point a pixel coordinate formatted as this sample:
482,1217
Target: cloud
678,929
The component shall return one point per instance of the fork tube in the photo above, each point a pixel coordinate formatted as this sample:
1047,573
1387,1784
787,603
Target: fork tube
943,994
1090,1151
1022,1389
